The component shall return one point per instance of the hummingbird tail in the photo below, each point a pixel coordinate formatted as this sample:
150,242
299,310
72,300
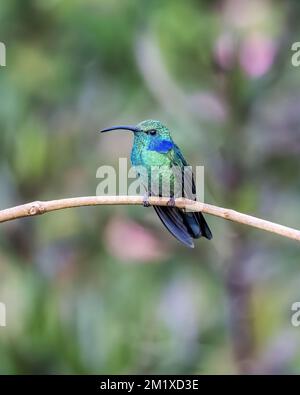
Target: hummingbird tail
184,226
173,220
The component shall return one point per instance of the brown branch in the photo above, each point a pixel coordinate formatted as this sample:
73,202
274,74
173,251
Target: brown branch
37,208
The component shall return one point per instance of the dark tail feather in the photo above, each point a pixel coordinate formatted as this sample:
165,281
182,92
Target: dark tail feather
206,232
197,225
173,220
192,222
185,226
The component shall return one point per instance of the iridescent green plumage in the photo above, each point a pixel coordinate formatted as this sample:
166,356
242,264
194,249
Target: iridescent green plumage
153,148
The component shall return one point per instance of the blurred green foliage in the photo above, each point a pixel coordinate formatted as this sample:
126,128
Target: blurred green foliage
107,290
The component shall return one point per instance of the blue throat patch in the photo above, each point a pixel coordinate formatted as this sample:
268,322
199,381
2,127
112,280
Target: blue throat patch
161,146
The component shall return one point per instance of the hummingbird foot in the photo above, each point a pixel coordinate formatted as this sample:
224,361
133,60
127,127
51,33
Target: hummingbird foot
171,202
146,202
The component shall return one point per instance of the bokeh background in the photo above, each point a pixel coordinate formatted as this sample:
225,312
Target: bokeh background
107,289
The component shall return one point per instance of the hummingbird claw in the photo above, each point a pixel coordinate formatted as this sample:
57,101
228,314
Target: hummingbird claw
171,202
146,202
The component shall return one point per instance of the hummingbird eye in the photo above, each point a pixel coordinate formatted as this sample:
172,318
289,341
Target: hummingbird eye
152,132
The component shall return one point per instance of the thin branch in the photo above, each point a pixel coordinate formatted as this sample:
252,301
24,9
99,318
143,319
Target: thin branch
39,207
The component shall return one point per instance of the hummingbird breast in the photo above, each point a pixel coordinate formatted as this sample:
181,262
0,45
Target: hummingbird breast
155,171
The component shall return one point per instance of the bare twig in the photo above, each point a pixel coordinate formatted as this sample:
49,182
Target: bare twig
39,207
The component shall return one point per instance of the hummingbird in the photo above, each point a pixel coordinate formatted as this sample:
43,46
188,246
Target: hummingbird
153,146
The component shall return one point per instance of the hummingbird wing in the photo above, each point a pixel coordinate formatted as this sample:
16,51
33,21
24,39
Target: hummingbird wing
183,225
195,220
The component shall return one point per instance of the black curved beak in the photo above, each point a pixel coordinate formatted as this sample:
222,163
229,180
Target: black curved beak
132,128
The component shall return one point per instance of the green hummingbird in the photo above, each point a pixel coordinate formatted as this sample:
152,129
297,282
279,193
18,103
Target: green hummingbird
153,147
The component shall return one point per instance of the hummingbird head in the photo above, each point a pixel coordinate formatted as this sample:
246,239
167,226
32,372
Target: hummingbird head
145,131
154,129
